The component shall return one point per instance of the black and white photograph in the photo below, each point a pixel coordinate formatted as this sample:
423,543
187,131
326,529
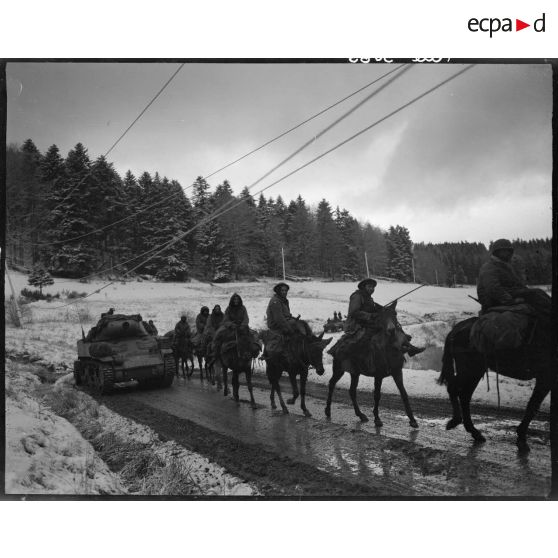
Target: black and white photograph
313,279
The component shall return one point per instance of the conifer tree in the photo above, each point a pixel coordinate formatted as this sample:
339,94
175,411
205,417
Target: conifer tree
40,277
399,253
328,241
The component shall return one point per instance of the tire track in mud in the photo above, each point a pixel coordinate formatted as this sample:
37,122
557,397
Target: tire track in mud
274,475
293,456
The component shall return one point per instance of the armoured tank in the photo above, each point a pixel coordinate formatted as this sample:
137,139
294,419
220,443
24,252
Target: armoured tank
119,349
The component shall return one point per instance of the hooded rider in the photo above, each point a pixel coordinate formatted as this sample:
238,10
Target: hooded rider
235,318
201,319
182,329
212,325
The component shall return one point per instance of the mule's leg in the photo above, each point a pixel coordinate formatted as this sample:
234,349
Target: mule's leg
235,385
225,383
337,373
281,401
453,392
272,397
542,387
303,378
398,379
249,384
274,371
292,379
270,373
377,396
353,394
468,386
176,361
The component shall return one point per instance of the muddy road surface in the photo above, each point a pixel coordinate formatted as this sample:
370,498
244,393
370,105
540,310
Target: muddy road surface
297,456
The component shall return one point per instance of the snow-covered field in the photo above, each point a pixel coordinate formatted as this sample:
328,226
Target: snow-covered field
50,331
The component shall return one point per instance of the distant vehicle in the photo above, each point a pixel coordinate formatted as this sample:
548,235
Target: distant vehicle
333,326
119,349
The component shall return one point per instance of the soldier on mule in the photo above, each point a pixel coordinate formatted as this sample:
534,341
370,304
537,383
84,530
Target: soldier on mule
198,340
234,326
363,322
212,325
500,285
182,345
512,336
290,345
281,323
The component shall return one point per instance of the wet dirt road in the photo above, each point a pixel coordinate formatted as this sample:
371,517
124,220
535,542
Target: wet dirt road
292,455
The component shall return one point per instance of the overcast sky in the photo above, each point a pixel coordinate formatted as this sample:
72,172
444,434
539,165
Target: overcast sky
472,161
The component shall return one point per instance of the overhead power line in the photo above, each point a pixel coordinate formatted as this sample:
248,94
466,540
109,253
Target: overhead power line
113,145
297,151
218,213
269,142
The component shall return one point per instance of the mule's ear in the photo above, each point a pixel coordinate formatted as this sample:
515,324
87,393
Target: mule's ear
321,335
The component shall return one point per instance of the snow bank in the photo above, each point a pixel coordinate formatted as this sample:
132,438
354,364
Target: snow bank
206,478
45,454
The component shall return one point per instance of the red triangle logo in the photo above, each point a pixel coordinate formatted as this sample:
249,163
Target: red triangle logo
519,25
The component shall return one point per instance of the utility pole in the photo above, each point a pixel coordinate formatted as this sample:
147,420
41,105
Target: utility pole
413,264
436,272
366,261
283,259
17,317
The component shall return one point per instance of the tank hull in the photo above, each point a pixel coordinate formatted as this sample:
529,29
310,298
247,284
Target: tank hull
113,357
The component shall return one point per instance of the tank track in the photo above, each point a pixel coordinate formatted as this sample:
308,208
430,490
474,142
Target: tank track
78,370
169,367
108,379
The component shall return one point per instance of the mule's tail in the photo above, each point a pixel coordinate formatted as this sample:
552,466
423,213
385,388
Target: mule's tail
448,369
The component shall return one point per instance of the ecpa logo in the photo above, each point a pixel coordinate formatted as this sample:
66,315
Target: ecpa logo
492,25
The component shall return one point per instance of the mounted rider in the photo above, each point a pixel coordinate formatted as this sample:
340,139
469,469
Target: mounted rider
363,321
498,284
510,309
281,323
152,329
182,329
234,325
201,321
212,325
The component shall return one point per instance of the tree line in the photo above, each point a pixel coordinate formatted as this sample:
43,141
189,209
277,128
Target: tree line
77,217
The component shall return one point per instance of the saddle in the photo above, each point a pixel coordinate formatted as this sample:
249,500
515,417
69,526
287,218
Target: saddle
502,328
251,340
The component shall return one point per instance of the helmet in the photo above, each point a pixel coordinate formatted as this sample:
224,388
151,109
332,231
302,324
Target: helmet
501,244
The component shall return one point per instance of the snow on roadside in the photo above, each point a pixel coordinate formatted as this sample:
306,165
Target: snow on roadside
208,478
45,454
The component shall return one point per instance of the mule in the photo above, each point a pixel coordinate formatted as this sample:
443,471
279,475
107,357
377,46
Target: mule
199,352
383,356
237,357
303,351
182,351
463,367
